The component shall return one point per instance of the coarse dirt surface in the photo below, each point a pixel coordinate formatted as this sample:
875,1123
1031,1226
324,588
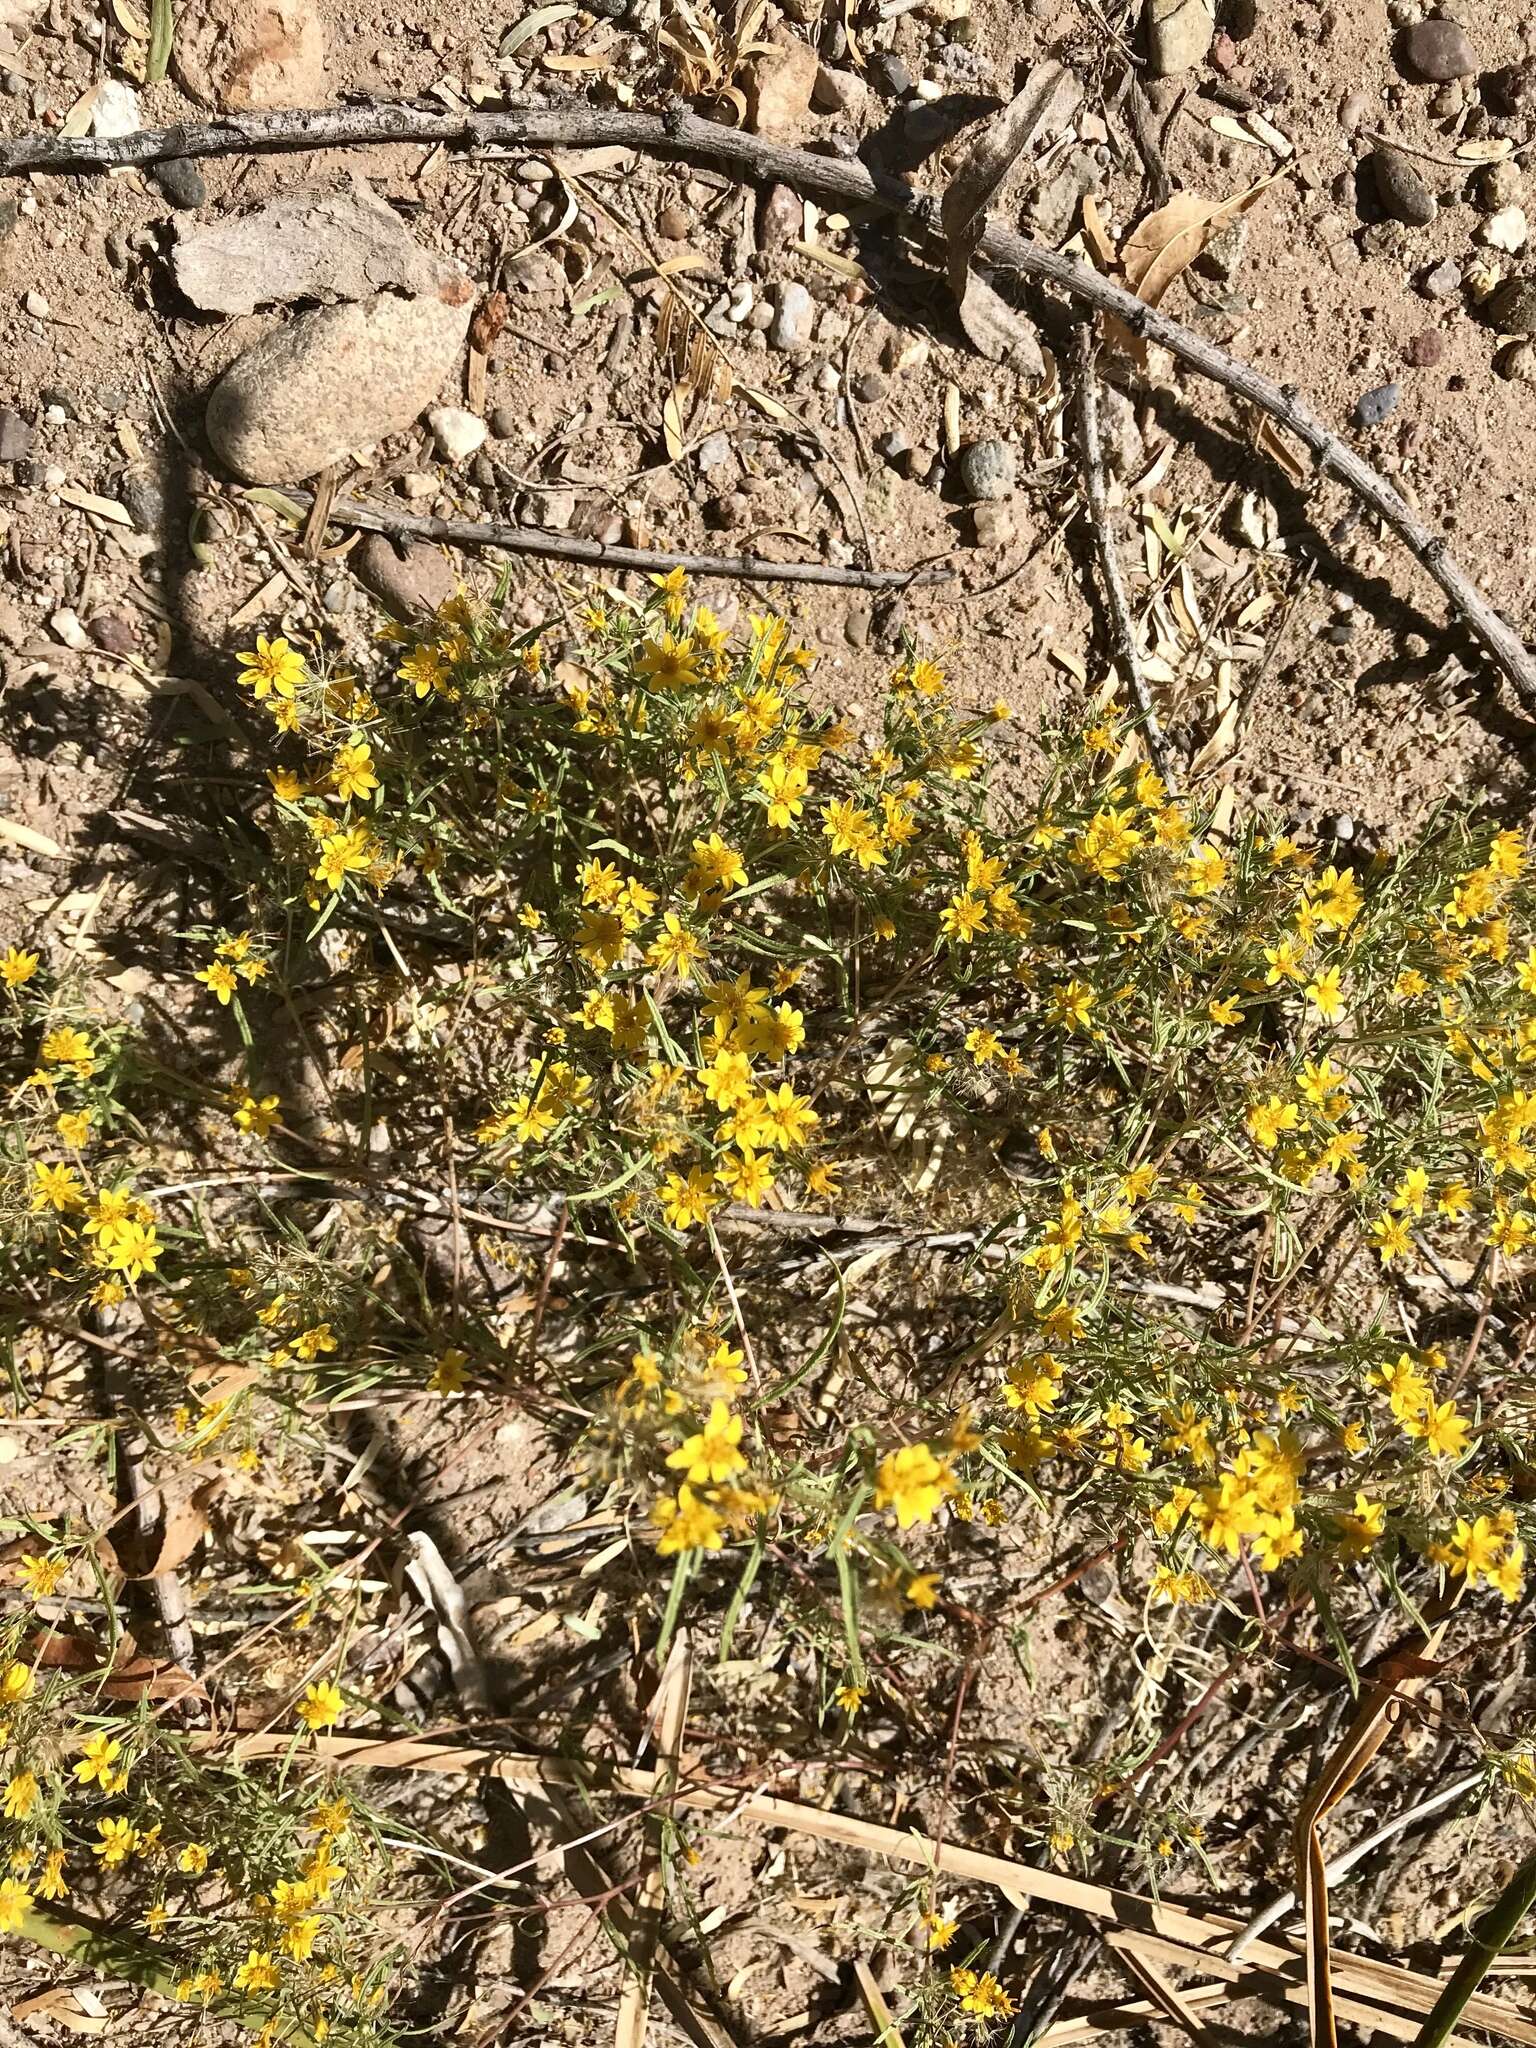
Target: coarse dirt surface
1302,657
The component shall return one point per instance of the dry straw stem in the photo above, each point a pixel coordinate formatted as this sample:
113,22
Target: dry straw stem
670,1721
684,136
1381,1705
1375,1994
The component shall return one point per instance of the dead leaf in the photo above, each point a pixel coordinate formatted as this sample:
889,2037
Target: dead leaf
34,842
525,30
1164,245
672,423
1049,98
1267,438
129,1677
64,2005
183,1526
1097,236
1040,111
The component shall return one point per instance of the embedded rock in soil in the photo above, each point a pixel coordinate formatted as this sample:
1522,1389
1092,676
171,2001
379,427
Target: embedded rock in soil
779,91
1179,34
235,54
335,380
302,245
1436,51
1401,190
410,580
1512,309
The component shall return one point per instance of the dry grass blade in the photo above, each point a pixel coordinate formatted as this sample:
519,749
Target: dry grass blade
1129,2012
887,2033
1386,1997
669,1720
1382,1704
1168,1999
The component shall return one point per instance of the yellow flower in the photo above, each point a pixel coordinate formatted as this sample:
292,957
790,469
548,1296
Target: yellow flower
352,772
676,950
669,663
15,1900
716,869
252,1114
193,1859
74,1127
15,1682
980,1993
448,1373
20,1795
922,1590
220,977
850,1698
320,1707
52,1884
258,1972
41,1576
1325,994
1224,1010
850,830
97,1759
1392,1237
132,1249
56,1187
672,587
914,1483
712,1455
939,1930
272,668
687,1523
687,1202
118,1840
17,967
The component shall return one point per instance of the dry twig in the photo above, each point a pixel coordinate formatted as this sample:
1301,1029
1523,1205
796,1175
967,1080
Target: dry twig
1116,598
596,554
683,136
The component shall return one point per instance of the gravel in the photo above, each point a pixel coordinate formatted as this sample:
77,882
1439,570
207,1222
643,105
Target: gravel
181,182
794,316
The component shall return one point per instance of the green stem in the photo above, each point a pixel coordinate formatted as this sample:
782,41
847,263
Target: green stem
160,28
1491,1936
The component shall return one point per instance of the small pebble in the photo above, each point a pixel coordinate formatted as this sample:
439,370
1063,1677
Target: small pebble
35,304
335,596
893,445
181,182
111,632
993,526
675,222
888,75
1500,185
1507,230
15,436
1403,193
794,315
505,424
869,387
143,500
987,470
66,625
1426,349
856,624
1372,407
1436,51
458,434
1518,364
1444,281
713,452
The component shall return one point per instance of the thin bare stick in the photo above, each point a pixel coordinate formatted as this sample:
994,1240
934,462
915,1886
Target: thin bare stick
685,137
887,2033
596,554
1116,598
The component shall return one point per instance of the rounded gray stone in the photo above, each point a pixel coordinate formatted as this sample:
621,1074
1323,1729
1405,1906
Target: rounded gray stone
987,471
334,380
